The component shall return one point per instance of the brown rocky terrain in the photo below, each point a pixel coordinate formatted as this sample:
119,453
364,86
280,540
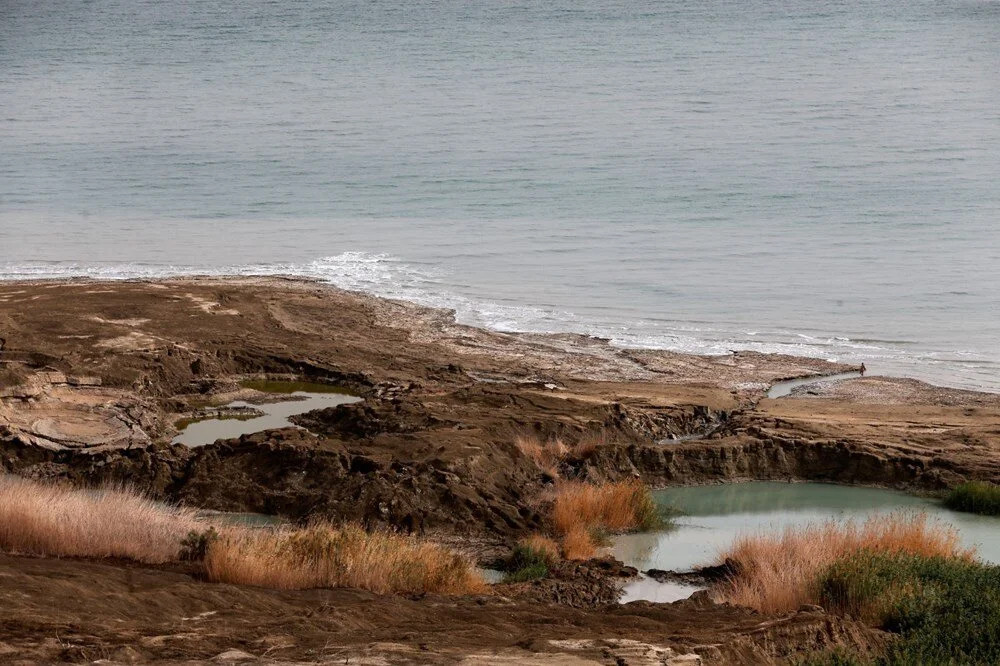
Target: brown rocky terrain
94,377
127,615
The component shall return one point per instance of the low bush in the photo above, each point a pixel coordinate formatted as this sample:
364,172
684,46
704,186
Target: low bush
322,555
777,573
531,559
975,497
48,519
946,610
195,545
587,445
547,548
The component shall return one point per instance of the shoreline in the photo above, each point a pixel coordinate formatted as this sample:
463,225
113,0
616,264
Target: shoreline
557,364
264,279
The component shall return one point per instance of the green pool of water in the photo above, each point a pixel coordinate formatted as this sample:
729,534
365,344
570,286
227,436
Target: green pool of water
715,515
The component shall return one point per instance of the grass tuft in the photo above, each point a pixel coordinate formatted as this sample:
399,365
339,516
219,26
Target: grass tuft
59,521
616,507
531,559
578,544
546,547
322,555
546,454
776,573
975,497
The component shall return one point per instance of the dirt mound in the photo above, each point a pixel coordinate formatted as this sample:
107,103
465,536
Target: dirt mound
588,584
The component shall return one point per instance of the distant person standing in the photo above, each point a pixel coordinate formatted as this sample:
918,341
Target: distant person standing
863,368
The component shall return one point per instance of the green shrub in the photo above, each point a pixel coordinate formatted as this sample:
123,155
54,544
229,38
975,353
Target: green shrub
526,563
195,545
945,610
535,571
975,497
648,515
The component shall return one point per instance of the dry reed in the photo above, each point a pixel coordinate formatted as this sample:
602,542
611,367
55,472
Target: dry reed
577,544
616,507
545,454
586,446
60,521
46,519
549,454
325,556
545,547
777,573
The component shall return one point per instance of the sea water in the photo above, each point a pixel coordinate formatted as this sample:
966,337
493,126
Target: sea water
798,177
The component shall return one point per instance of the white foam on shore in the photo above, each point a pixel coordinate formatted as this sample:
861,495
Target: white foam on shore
389,277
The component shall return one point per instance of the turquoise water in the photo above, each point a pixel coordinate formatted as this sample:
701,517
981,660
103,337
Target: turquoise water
792,176
715,515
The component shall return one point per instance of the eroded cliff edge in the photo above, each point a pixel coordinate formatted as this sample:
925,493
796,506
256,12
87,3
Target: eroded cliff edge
95,375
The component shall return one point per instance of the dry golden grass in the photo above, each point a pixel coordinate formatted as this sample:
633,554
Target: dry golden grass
585,447
616,507
549,454
544,546
60,521
46,519
545,454
577,544
325,556
777,573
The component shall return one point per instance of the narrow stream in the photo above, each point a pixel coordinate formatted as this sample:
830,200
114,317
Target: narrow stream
715,515
305,398
785,388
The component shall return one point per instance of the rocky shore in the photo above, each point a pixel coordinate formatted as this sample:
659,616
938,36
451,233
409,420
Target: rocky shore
95,376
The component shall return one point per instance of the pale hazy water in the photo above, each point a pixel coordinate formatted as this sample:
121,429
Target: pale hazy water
813,178
713,516
274,415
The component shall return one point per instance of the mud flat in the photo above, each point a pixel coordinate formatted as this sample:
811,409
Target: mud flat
94,378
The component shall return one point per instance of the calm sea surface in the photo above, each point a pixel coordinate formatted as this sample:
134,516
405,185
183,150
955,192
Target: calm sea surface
807,177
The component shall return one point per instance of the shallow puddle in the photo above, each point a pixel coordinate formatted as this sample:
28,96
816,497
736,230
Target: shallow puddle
491,576
715,515
646,589
307,397
246,519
